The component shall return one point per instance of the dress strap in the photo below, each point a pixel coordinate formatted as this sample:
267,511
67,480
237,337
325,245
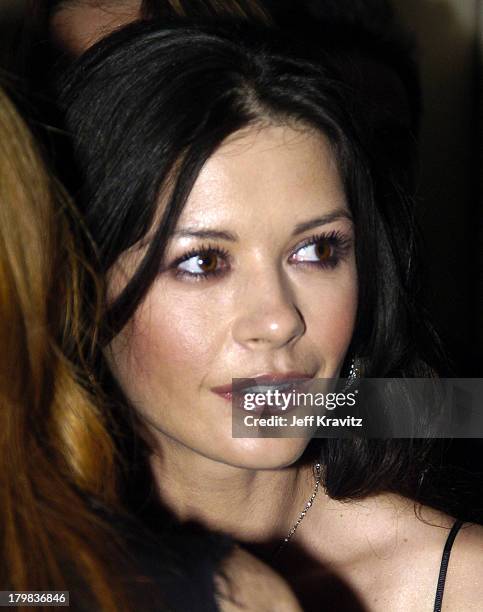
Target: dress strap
444,565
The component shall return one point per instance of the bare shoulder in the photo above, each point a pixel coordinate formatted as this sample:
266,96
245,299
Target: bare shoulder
464,580
463,588
250,585
402,567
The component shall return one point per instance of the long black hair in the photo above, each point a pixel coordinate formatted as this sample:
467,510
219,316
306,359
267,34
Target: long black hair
146,108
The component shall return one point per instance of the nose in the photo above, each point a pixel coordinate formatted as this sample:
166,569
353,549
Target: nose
268,317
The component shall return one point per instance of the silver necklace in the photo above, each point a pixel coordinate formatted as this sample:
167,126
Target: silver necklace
318,475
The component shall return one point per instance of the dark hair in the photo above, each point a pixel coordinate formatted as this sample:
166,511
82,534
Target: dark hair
380,62
369,28
379,54
149,105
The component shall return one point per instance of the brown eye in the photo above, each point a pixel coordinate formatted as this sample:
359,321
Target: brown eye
208,263
323,250
203,263
319,251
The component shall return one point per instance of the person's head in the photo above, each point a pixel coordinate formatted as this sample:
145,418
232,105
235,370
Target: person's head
74,25
378,55
56,450
205,153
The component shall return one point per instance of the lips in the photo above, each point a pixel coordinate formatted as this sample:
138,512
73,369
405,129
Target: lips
261,383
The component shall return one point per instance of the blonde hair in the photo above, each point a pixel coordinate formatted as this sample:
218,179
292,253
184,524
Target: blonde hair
55,445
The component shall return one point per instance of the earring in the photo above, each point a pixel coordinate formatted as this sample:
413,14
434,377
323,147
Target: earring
354,374
355,370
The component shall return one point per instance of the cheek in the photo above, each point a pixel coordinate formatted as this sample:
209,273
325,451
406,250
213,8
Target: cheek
330,318
167,346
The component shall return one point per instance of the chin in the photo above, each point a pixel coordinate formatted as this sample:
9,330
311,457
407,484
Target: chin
262,453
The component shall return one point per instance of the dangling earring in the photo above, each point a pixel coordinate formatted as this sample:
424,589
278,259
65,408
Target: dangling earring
354,374
355,370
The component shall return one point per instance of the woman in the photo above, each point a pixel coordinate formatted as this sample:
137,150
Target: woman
245,230
62,525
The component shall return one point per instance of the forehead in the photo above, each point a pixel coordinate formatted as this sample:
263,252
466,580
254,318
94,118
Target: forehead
75,25
275,173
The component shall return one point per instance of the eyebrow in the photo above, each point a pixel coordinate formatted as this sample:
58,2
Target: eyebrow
189,232
335,215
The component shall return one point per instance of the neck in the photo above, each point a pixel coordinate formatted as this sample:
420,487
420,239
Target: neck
260,507
257,507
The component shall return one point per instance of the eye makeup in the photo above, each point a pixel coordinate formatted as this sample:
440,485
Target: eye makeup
324,250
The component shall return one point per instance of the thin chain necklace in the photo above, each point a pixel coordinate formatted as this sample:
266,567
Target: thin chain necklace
318,475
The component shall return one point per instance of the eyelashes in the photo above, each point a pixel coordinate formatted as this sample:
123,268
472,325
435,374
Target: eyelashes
324,251
211,262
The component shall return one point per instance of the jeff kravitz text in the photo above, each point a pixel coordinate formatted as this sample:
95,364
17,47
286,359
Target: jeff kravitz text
311,420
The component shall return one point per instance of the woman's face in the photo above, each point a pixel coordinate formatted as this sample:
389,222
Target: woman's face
258,279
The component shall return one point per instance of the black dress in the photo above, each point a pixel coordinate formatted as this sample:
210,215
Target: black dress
171,568
188,584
